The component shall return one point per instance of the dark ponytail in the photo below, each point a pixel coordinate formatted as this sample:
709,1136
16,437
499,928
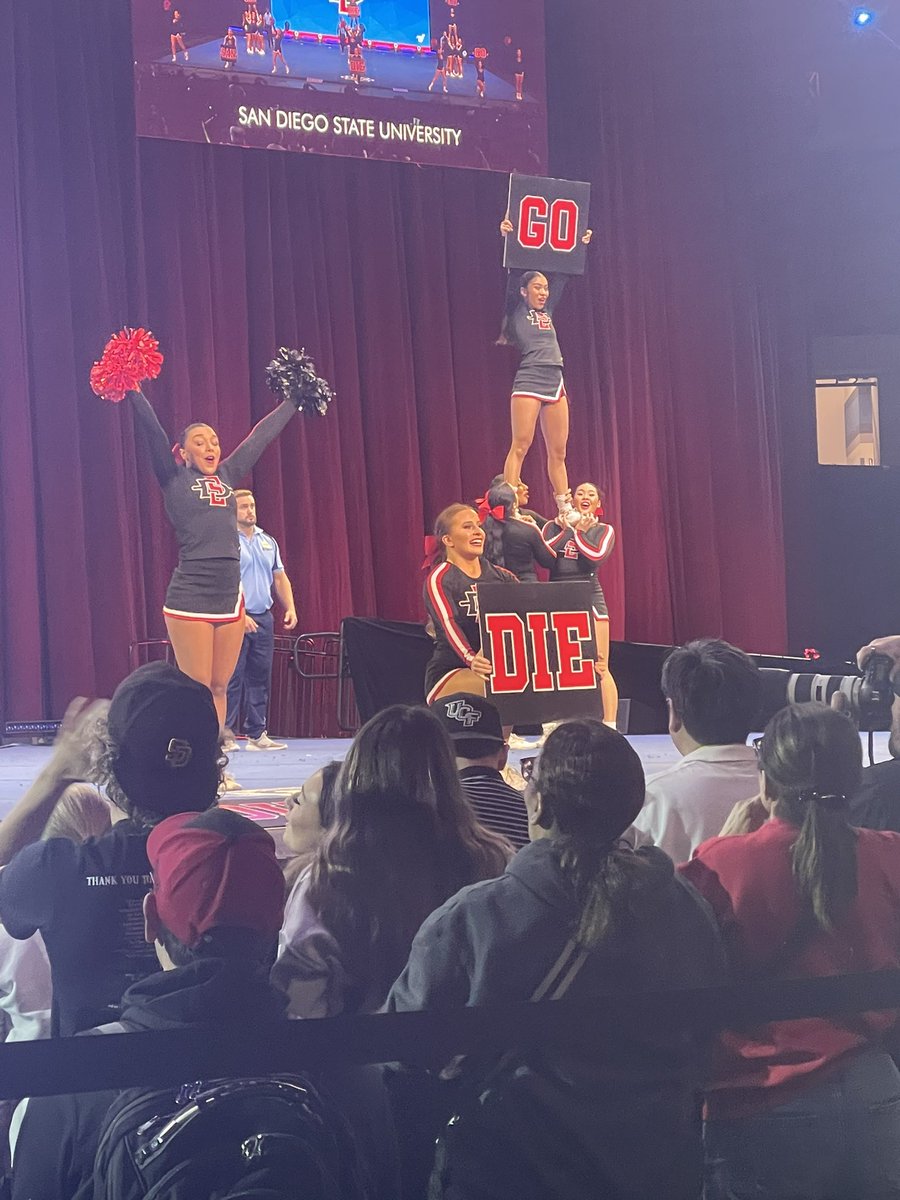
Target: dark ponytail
502,495
591,787
514,285
812,760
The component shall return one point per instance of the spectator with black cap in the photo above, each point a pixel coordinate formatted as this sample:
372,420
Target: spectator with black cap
155,752
481,750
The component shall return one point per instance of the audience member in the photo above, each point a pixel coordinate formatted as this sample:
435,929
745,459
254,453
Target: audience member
310,811
156,753
876,804
403,840
25,987
473,724
621,1122
213,917
713,692
805,1107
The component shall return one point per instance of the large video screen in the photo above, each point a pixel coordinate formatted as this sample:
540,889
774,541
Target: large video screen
446,82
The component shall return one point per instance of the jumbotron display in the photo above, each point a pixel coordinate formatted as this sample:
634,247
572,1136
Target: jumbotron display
444,82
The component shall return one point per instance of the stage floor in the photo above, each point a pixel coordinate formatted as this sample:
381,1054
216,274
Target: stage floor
267,778
325,67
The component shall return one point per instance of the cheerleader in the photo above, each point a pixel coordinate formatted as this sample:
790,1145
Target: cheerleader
440,66
277,52
204,608
479,75
512,537
176,36
248,26
519,75
228,50
455,51
457,664
539,390
580,549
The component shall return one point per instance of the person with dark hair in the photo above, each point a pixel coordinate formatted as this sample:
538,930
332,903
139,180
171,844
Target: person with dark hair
473,726
622,1120
538,390
513,540
310,812
713,692
804,1108
156,752
276,36
451,600
212,917
581,547
204,608
176,36
403,840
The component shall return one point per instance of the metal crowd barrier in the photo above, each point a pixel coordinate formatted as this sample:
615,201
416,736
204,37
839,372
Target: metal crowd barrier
162,1059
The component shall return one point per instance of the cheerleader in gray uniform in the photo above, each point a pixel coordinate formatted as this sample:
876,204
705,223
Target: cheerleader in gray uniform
539,390
204,608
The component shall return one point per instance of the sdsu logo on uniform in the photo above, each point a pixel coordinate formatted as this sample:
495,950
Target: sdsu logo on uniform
571,550
211,489
540,320
469,603
462,711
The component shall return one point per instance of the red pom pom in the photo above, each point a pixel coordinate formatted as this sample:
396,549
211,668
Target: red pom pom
129,357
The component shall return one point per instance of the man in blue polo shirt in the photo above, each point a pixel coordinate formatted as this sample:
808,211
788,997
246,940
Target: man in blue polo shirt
261,571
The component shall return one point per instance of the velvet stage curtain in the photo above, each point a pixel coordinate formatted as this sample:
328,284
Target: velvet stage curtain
389,275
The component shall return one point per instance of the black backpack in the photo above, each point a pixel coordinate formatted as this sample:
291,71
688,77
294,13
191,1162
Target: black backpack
271,1139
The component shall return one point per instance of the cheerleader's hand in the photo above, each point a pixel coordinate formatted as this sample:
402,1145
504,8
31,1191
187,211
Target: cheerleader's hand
506,226
481,666
586,237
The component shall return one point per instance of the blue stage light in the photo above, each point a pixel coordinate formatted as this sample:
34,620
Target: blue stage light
863,17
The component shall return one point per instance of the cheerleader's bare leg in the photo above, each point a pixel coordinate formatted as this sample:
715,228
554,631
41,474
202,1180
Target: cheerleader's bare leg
462,680
555,428
609,693
227,640
524,412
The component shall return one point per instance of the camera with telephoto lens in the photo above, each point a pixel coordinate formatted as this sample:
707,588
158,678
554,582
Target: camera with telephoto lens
868,697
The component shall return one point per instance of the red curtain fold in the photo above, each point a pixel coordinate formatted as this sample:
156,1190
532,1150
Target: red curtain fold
389,275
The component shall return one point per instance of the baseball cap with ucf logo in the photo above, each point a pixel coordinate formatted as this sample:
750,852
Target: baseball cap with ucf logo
469,718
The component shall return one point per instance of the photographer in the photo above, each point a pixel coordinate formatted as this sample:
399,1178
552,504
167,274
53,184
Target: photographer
876,805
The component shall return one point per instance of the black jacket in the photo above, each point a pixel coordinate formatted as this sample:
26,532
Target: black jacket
618,1122
54,1157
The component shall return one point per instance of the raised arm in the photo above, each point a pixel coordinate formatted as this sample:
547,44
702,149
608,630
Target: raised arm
155,438
243,459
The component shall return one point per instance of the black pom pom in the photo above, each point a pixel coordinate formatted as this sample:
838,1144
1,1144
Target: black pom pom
292,375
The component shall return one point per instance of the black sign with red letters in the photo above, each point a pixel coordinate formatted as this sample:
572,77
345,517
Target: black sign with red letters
549,217
539,638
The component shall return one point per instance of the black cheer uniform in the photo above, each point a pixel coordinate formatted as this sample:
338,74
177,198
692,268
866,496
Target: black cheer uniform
452,604
206,584
540,371
524,549
578,555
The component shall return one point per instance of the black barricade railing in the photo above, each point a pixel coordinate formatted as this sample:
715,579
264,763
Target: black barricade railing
160,1059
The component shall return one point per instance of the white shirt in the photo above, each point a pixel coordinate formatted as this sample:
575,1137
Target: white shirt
689,801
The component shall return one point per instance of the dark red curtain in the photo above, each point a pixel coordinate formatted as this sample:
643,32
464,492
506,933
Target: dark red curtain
390,276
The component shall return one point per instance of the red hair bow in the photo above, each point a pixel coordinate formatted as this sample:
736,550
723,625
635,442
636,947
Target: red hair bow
484,510
432,548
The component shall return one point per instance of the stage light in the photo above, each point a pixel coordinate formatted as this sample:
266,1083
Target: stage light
862,17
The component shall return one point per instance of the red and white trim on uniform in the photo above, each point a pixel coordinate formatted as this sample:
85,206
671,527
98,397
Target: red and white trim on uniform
595,553
210,618
442,608
439,686
560,393
600,616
